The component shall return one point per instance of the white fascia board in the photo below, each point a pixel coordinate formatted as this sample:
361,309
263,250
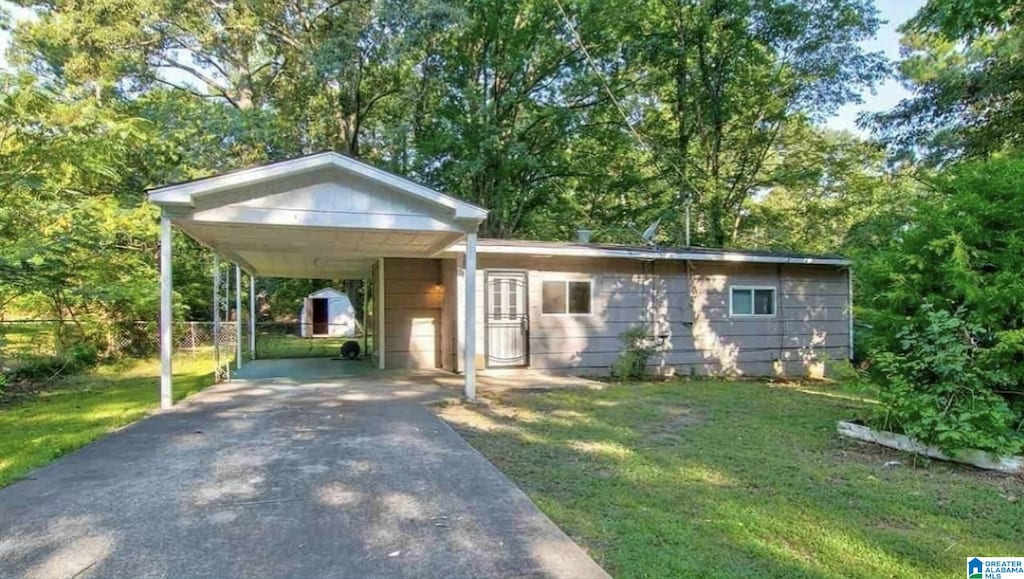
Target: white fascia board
725,256
327,291
327,219
184,193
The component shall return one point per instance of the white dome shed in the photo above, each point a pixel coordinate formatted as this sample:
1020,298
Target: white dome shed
328,313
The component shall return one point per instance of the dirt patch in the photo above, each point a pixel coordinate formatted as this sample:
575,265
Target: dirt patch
889,460
672,423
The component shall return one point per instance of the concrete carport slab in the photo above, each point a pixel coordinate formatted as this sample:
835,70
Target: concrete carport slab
284,477
322,216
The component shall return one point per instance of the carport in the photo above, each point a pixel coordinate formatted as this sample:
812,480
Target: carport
319,216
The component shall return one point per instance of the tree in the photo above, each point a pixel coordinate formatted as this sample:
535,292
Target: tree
507,106
720,80
68,246
942,292
824,185
964,64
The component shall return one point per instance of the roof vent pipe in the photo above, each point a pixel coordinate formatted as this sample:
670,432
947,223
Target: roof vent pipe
583,235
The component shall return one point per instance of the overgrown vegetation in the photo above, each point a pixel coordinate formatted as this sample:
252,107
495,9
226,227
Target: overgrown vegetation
637,349
710,478
943,290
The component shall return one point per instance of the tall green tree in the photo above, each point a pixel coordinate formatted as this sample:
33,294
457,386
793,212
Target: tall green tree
507,108
825,185
964,64
718,82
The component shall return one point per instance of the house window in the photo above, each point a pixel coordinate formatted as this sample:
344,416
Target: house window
565,297
751,301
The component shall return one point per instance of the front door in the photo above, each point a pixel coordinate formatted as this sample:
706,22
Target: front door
508,325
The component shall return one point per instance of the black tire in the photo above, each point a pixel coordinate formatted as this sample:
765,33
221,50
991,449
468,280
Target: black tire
350,350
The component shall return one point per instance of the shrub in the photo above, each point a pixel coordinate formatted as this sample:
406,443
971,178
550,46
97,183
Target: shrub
637,349
941,288
44,368
940,386
37,368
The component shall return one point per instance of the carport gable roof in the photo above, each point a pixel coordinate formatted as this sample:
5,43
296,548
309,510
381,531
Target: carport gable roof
319,216
187,194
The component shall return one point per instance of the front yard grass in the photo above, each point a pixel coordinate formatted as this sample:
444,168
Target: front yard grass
82,408
280,345
710,478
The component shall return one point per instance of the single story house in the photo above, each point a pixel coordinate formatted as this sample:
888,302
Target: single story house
327,313
453,301
561,307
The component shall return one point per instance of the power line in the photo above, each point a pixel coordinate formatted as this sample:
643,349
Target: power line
578,41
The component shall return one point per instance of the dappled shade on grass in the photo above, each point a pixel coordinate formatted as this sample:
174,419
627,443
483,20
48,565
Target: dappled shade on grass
746,479
35,431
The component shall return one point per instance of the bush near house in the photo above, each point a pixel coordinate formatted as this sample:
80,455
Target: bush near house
637,349
944,292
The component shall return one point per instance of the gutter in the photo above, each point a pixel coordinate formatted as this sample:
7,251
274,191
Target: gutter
725,256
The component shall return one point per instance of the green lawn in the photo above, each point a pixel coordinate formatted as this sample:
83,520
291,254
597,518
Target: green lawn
711,478
83,408
281,345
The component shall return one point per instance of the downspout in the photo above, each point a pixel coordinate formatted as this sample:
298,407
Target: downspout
781,314
849,312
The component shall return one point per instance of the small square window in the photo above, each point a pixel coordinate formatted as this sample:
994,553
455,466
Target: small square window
751,301
565,297
764,302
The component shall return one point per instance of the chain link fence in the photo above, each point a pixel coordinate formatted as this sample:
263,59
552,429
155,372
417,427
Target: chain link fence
27,341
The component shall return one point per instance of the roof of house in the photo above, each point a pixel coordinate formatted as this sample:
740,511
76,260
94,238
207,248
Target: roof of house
185,193
569,249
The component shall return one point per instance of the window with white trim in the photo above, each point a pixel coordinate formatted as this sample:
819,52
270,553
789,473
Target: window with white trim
565,297
751,301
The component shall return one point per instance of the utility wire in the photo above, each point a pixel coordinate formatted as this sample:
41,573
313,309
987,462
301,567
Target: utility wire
578,41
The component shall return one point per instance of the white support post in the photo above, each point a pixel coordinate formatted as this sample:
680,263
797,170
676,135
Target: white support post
366,331
460,312
238,317
469,352
166,287
216,317
227,316
252,317
378,297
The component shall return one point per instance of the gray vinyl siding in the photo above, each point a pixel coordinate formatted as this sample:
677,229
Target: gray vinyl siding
688,304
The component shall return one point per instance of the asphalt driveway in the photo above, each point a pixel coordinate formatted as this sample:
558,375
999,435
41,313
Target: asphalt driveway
283,477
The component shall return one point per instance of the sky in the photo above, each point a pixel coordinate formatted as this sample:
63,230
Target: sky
887,41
